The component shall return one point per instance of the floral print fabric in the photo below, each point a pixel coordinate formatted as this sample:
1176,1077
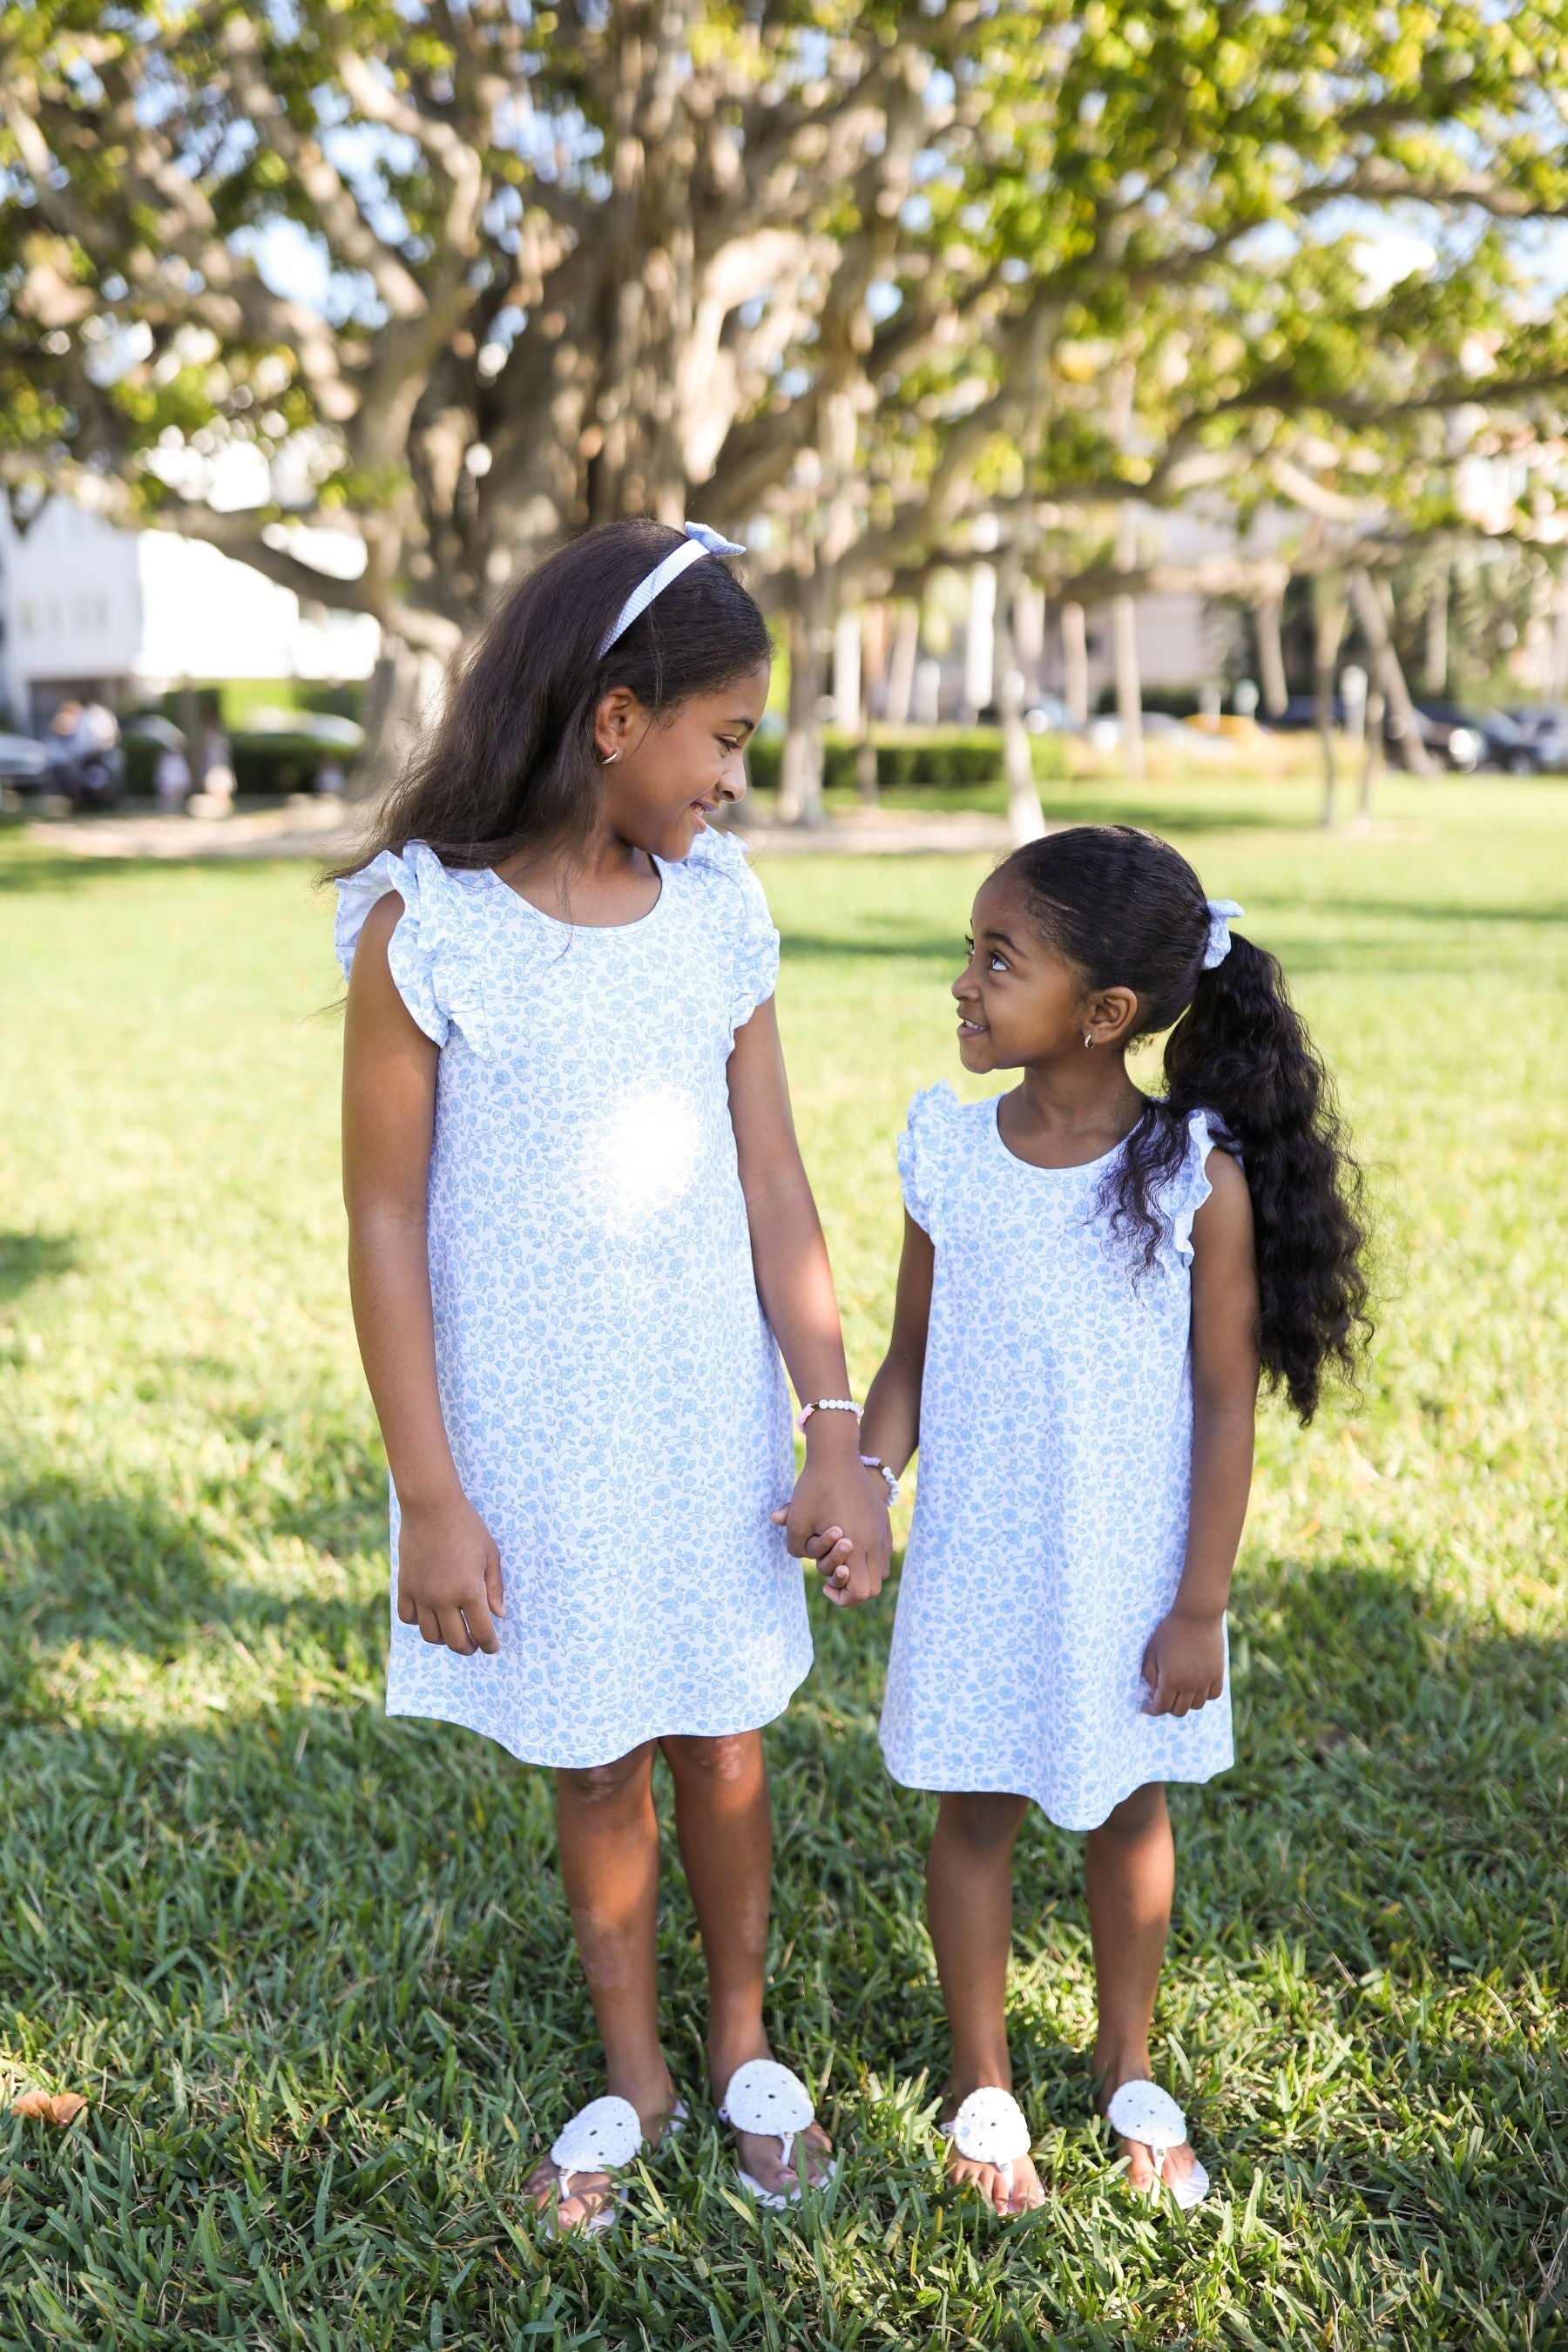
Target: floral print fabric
1055,1470
612,1395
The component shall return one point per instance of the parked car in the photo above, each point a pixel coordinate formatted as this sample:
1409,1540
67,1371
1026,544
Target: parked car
1498,741
1544,725
1049,715
23,764
1104,733
1456,739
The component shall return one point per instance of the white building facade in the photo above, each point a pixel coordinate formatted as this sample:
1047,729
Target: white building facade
116,616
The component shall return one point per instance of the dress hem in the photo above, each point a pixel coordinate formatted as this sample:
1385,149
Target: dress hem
430,1713
978,1785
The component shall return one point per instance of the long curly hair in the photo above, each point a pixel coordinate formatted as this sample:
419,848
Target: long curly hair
509,764
1127,910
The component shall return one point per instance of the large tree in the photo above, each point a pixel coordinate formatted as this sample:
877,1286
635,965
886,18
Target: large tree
454,277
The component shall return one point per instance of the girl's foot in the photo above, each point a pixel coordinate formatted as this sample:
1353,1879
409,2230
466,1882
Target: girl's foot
759,2153
1180,2163
593,2196
1009,2185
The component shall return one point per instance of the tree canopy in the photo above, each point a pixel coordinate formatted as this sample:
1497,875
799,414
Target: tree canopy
454,277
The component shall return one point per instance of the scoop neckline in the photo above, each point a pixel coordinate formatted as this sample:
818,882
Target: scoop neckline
558,923
1073,1168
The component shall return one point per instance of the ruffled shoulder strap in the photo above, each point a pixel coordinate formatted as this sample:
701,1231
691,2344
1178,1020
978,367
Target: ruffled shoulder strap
423,953
1190,1188
716,850
926,1153
719,862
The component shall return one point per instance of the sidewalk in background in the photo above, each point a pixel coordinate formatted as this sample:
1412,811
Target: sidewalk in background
327,832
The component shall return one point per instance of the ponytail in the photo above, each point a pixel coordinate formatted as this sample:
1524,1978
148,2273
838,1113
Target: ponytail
1242,1050
1128,911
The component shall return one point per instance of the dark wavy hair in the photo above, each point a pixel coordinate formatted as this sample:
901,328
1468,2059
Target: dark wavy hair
1127,910
510,763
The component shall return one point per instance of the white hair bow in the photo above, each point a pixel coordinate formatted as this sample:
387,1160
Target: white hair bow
1223,912
698,541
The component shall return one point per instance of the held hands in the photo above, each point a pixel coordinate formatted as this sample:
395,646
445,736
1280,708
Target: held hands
1184,1664
838,1516
449,1576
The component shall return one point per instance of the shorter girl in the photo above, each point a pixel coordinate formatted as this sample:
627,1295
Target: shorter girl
1091,1279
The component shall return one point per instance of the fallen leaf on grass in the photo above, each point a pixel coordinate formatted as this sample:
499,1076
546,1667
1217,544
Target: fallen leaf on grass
61,2107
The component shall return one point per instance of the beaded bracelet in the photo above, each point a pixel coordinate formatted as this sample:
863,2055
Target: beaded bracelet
827,1404
875,1461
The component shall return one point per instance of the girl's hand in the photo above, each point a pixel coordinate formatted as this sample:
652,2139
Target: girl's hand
1184,1664
838,1516
449,1576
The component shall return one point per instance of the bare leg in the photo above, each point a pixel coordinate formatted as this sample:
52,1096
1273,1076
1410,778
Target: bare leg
724,1823
969,1904
1130,1866
609,1865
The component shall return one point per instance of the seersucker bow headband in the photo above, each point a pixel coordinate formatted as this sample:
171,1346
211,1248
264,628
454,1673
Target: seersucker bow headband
698,541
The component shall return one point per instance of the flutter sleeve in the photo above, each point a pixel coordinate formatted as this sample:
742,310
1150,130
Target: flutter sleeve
422,952
751,942
1192,1187
925,1149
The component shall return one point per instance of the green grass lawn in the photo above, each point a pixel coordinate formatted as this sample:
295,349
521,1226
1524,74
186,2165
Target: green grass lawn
311,1969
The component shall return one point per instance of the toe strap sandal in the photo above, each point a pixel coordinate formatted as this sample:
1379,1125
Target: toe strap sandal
1142,2112
763,2097
990,2128
603,2137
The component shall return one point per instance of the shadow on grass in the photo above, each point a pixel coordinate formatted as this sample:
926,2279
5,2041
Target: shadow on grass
303,1929
28,1258
1394,1801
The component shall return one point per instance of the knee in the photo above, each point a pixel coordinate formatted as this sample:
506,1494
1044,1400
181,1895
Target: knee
593,1786
726,1763
1136,1815
984,1820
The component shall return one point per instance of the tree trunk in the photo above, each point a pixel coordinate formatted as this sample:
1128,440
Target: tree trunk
1075,662
1029,635
1559,672
1328,628
1374,611
403,686
901,669
846,672
980,641
1025,821
855,652
1124,652
1372,757
1268,613
1435,652
800,768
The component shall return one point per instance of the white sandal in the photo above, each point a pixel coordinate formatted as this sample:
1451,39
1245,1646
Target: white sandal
990,2128
1142,2112
602,2138
763,2097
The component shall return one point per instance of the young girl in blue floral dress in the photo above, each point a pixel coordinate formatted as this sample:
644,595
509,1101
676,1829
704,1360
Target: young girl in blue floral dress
1092,1280
580,1235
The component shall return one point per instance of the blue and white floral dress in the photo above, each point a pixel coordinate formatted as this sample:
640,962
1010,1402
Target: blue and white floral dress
611,1389
1055,1472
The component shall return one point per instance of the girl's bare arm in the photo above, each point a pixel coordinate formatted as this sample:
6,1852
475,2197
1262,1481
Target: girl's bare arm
795,1282
892,1429
448,1569
1185,1667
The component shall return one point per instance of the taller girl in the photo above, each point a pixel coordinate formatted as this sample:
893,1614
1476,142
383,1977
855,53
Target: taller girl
578,1223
